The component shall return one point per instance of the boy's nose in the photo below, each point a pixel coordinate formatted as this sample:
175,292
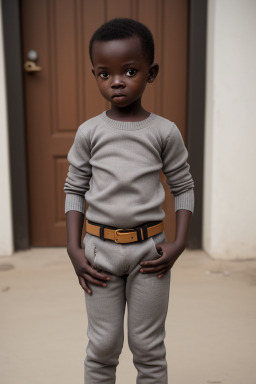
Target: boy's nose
117,82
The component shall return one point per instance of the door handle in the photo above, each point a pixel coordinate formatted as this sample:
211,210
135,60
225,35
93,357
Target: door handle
30,66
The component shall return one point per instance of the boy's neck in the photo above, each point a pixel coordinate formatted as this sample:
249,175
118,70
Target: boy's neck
130,113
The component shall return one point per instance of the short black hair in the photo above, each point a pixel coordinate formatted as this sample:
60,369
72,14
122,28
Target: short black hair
123,28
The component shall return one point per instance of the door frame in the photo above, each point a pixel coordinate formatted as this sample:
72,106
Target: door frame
16,116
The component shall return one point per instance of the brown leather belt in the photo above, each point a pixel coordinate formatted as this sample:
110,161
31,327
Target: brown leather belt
124,236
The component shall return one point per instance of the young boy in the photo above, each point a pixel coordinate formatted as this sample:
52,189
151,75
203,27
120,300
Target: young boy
114,165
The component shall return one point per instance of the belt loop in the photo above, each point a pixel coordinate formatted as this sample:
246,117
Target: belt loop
145,231
102,233
139,238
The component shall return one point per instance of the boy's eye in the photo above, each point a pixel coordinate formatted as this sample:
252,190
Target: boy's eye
131,72
104,75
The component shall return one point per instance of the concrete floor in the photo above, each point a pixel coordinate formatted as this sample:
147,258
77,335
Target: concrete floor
211,324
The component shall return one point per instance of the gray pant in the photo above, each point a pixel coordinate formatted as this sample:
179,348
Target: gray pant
147,301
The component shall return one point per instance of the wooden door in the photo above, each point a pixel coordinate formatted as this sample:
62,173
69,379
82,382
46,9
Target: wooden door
64,93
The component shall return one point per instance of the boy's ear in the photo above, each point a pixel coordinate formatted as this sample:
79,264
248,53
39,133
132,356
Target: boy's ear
93,72
153,71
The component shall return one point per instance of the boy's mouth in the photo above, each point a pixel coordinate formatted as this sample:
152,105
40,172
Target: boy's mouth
118,97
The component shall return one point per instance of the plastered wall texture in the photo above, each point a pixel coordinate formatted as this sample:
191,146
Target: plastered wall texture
230,152
6,233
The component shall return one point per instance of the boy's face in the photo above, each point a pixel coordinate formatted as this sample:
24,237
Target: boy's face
121,70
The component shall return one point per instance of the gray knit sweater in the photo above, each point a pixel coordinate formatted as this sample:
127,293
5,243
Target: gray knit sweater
115,166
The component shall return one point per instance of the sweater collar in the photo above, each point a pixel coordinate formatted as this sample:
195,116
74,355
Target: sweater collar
127,125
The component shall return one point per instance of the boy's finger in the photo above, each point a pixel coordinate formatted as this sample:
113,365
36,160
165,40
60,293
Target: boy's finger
152,269
91,280
84,286
93,272
160,276
162,273
153,263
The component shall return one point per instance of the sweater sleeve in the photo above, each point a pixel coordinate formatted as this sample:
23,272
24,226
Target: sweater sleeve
176,170
79,174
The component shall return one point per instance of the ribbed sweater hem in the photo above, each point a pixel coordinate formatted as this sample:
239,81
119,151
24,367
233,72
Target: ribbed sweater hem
185,201
74,202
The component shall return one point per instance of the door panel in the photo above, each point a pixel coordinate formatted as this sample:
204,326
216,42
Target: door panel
64,93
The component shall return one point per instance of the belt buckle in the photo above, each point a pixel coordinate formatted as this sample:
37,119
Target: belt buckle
119,231
116,234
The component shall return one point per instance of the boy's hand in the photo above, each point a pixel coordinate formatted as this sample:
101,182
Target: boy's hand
168,254
85,272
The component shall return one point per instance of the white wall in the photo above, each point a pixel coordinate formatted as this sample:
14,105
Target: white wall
6,235
230,145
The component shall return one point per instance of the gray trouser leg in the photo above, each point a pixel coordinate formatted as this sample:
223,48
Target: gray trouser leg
147,300
105,311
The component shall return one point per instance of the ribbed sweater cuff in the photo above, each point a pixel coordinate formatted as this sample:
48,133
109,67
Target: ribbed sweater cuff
74,203
185,201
